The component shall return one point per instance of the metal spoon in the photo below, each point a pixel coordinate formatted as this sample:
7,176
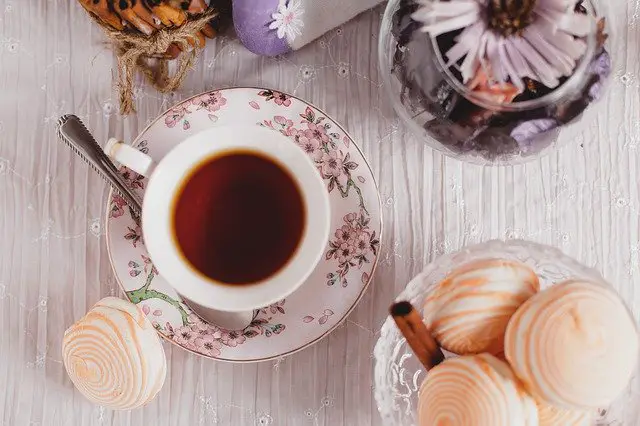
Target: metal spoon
74,133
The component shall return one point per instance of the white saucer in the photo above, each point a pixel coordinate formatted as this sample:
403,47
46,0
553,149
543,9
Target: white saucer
338,282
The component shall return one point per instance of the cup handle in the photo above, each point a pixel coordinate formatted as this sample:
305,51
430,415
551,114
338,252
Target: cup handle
130,157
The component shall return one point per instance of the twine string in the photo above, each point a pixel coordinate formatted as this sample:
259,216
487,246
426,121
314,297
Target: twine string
139,52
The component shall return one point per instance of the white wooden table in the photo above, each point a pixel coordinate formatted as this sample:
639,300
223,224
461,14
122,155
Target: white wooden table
584,199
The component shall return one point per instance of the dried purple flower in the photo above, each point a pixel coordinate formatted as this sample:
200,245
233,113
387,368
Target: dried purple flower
510,39
527,130
595,91
601,65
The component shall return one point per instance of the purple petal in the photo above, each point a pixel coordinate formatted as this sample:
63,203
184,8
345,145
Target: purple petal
570,45
516,78
497,68
444,26
470,64
595,90
601,65
519,63
577,24
445,10
456,52
526,131
466,42
482,48
545,74
553,56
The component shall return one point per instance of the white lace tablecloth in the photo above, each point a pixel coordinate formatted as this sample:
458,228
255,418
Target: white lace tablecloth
584,199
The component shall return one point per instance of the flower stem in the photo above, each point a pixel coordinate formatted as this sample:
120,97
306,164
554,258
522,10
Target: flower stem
345,193
143,293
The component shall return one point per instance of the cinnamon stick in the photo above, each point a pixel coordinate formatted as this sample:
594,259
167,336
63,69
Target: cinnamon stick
418,336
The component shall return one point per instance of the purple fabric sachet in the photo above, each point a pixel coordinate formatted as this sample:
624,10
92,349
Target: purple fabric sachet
274,27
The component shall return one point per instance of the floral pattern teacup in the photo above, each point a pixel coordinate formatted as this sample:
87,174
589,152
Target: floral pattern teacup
338,281
229,306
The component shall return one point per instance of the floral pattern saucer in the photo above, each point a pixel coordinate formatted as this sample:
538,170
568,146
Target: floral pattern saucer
339,280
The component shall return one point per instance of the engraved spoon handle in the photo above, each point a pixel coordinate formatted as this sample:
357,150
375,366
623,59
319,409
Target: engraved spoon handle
74,133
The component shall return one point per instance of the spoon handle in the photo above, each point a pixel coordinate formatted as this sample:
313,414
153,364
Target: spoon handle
74,133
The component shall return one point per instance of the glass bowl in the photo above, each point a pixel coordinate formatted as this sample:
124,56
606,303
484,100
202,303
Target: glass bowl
398,374
488,125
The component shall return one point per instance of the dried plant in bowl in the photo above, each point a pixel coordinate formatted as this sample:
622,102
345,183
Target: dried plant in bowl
493,81
160,29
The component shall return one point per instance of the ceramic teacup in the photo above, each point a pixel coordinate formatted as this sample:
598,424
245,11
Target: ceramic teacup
229,306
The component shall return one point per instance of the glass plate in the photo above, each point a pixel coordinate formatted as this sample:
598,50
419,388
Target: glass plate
398,374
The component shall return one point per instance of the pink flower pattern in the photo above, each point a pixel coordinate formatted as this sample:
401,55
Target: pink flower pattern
279,98
185,336
132,179
344,234
352,245
277,307
333,167
284,122
322,148
362,244
207,345
211,102
175,115
148,265
316,131
232,338
147,311
202,337
291,132
345,253
194,334
312,147
117,206
134,235
326,314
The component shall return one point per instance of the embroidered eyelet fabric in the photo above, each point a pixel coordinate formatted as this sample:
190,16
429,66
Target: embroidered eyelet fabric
583,199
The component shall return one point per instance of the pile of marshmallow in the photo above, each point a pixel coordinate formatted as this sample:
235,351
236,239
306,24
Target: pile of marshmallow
526,357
